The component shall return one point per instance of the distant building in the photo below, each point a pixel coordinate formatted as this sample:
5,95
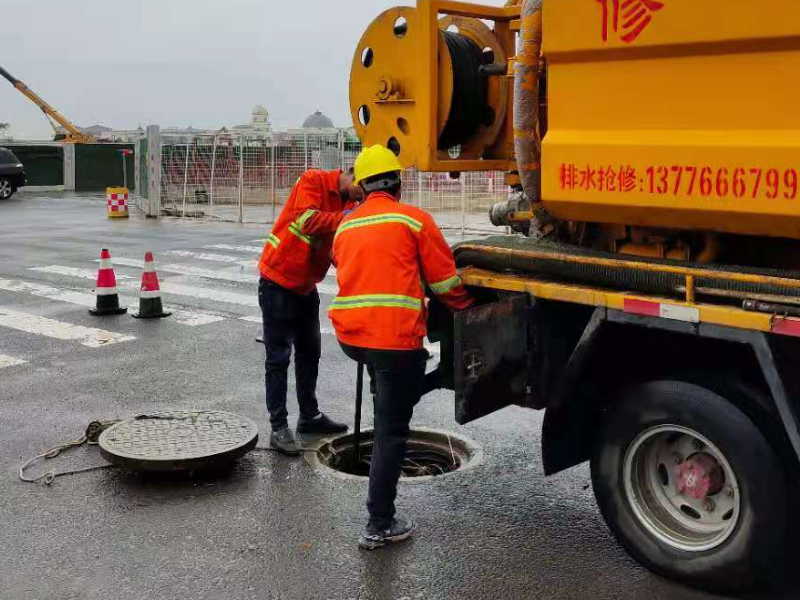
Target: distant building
318,121
259,125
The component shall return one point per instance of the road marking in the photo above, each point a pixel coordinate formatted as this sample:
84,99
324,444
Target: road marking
224,258
87,336
208,294
74,272
10,361
192,271
184,317
248,249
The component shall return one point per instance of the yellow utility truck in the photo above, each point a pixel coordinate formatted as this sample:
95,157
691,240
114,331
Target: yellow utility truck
645,289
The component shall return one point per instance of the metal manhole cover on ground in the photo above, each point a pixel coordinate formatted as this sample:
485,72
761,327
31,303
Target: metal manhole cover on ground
178,440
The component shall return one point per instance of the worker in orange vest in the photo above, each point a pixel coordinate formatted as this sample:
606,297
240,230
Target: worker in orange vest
387,254
295,258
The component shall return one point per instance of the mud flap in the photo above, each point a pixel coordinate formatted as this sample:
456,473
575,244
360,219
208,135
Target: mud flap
490,357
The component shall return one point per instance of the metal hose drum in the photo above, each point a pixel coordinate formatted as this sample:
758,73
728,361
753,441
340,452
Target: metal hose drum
469,107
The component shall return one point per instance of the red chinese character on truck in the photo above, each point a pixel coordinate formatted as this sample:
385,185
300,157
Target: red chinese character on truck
627,18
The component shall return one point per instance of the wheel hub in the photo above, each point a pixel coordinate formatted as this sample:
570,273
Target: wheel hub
681,488
700,476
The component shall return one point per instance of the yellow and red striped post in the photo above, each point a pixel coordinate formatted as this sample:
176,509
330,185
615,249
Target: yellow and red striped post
117,202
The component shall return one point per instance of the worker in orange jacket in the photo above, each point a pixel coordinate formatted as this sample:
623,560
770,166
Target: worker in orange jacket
387,254
295,258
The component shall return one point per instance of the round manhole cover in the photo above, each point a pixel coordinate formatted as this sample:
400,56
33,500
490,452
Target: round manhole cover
428,454
178,440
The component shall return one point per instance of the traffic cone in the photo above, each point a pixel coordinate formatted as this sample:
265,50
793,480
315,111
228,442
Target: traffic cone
150,293
107,298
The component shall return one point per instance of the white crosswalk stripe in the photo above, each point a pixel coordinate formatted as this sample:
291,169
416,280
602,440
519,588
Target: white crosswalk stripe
87,336
229,275
75,272
223,258
247,249
225,296
10,361
184,317
330,289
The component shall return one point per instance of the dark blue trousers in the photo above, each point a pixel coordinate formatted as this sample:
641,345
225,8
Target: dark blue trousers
399,377
290,319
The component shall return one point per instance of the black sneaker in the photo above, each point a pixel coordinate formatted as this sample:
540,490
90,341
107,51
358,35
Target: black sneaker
320,424
400,530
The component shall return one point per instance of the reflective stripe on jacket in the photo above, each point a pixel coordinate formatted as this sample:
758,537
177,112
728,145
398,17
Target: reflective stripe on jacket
385,253
297,252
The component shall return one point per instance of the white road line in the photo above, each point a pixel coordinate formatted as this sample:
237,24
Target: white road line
208,294
248,249
45,291
75,272
223,258
184,317
248,277
87,336
328,289
10,361
178,289
252,319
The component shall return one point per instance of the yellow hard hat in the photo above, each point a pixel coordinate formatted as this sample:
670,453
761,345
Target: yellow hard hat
375,160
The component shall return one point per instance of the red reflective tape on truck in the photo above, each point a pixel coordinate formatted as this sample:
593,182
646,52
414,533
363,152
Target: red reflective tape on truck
786,326
662,310
642,307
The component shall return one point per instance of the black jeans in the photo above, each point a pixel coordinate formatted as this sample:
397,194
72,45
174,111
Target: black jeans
398,376
290,319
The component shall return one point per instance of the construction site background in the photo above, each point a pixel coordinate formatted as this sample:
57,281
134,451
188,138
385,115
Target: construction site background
248,179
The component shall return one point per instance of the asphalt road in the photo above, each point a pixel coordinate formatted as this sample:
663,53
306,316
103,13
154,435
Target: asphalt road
275,527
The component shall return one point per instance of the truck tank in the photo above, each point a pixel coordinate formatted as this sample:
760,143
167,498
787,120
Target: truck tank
660,128
673,113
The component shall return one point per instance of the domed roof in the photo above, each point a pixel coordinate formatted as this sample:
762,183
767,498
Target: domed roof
260,109
317,121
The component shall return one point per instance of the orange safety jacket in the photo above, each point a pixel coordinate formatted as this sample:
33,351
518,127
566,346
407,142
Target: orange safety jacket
297,254
385,254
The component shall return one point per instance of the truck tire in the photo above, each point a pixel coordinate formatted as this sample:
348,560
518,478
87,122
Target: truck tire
6,188
690,486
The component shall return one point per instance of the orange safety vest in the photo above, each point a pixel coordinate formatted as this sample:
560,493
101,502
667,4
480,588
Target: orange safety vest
297,254
385,254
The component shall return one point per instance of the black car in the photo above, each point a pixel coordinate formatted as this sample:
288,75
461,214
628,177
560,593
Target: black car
12,174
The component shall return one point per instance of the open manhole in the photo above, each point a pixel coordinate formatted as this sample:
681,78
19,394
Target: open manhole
428,454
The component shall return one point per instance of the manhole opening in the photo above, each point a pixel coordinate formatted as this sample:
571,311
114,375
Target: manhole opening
428,454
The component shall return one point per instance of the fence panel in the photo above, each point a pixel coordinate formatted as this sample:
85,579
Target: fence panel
247,179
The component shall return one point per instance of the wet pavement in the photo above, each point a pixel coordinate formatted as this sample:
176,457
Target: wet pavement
274,527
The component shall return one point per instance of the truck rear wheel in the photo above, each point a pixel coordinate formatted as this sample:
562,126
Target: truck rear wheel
690,486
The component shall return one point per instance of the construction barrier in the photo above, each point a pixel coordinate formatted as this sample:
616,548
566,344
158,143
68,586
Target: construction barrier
117,202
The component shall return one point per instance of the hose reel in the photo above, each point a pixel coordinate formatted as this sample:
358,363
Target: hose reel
433,88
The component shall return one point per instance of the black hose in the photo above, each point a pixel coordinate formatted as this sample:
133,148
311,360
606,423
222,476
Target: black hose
469,107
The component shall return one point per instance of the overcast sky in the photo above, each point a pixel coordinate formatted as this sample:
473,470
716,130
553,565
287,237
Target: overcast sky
203,63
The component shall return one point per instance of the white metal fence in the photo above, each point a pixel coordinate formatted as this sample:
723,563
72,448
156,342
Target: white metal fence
247,179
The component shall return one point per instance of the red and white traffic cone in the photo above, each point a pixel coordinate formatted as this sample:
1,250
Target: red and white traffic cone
107,298
150,293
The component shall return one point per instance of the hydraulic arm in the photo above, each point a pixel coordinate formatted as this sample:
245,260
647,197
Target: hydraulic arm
73,136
